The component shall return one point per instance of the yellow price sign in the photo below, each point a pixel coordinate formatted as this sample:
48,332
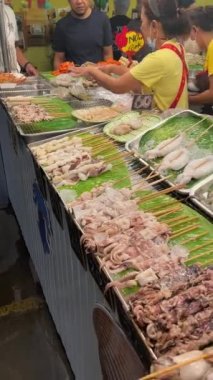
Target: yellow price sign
129,41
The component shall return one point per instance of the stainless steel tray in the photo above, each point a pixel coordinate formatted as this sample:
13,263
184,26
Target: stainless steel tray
33,137
34,86
133,147
195,198
80,104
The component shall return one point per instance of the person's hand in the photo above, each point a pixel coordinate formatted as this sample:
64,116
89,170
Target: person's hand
31,70
83,71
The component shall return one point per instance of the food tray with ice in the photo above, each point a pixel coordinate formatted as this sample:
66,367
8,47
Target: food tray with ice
180,148
202,195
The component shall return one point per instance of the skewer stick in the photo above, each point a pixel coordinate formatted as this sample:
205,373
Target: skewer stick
165,213
154,183
196,124
166,191
201,246
199,137
140,171
155,208
196,237
177,219
189,220
184,231
206,263
199,256
172,368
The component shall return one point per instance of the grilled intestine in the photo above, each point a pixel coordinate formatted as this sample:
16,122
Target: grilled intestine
68,161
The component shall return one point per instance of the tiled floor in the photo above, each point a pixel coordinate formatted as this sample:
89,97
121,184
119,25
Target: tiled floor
29,346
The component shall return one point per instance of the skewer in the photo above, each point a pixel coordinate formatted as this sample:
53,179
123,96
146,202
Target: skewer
140,171
199,256
160,206
164,213
201,246
166,191
194,238
167,370
183,231
199,137
206,263
196,124
181,222
154,183
177,219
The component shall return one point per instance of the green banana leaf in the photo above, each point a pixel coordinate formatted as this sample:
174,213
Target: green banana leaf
57,105
147,121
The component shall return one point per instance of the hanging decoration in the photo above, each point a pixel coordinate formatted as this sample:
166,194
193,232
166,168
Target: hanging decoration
129,42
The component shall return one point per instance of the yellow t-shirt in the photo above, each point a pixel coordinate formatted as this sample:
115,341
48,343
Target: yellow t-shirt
161,73
209,59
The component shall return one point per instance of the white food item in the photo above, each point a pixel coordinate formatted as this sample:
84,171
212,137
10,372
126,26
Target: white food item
121,129
195,370
196,169
146,277
175,160
179,251
165,147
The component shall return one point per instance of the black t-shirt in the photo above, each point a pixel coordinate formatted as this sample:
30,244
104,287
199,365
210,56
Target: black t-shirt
83,39
117,24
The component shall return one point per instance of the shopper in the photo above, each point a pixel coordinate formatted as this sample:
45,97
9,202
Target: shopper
83,35
163,72
202,32
17,58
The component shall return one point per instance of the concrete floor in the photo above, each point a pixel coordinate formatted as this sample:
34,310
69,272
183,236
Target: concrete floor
30,348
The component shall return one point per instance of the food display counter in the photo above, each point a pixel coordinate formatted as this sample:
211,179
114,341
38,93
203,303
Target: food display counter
110,230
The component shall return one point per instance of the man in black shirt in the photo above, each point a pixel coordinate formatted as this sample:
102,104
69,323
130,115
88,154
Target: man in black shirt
83,35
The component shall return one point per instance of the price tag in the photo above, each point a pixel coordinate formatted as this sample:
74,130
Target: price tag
142,102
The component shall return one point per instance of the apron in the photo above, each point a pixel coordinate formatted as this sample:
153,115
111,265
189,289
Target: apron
185,72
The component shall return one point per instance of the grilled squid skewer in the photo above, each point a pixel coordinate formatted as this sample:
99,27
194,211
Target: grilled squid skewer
196,169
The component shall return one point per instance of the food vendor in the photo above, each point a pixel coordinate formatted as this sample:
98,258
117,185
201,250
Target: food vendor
83,35
202,32
164,72
17,58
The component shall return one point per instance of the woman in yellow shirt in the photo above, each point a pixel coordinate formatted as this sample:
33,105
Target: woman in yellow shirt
163,72
202,32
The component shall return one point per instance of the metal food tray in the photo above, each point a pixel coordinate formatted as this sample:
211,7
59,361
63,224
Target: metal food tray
196,201
95,129
33,137
34,86
81,104
133,147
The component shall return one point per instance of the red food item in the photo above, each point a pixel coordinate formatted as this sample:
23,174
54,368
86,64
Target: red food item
64,68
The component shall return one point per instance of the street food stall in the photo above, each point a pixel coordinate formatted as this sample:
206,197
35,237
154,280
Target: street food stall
115,207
